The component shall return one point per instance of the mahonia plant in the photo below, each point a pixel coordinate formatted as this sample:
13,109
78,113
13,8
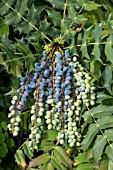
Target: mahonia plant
61,86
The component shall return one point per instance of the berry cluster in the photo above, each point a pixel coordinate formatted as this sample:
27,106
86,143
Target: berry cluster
61,86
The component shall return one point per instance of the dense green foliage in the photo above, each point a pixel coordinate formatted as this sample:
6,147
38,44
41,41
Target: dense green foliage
86,28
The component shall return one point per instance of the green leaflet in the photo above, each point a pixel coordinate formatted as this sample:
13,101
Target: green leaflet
57,4
4,29
84,42
98,111
109,134
92,131
101,96
109,152
82,157
71,12
27,54
101,123
88,5
31,18
91,5
27,151
4,8
110,165
98,147
80,19
108,79
51,135
47,166
109,48
20,159
86,166
42,159
105,122
46,145
55,16
97,32
56,163
62,156
15,16
50,167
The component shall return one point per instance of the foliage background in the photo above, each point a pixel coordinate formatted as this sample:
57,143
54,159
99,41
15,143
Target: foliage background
87,29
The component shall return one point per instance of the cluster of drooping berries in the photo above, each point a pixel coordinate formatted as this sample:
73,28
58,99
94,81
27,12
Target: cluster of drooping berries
61,86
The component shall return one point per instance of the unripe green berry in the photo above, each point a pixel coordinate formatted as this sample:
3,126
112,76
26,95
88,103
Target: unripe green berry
77,118
42,109
15,133
34,131
33,117
77,144
15,97
81,68
70,113
75,128
12,120
12,112
72,136
69,123
40,113
76,133
38,136
18,119
49,126
39,120
93,88
80,73
61,141
76,103
77,112
33,107
48,121
92,97
72,107
70,128
16,128
74,124
32,111
62,135
40,104
54,122
9,115
71,144
74,59
9,125
92,102
30,143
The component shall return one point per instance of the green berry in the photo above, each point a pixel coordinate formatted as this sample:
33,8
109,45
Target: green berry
15,133
18,119
33,117
16,128
48,121
12,120
38,136
15,97
39,120
49,126
71,144
61,141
